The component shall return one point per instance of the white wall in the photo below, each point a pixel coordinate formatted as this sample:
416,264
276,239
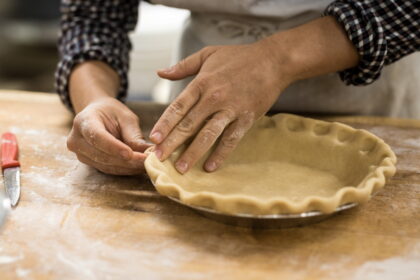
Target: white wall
154,42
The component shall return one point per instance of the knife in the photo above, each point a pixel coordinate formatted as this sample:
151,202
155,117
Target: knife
10,166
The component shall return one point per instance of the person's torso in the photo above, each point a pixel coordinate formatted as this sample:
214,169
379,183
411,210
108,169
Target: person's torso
221,22
256,8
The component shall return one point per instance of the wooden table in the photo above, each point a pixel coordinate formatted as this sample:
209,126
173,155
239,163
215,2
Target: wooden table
76,223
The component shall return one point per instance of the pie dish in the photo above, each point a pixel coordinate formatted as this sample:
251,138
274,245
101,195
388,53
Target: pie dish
285,164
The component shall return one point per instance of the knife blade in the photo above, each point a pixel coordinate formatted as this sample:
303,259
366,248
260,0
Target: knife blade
10,166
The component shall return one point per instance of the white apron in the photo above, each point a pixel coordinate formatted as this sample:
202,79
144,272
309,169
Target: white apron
227,22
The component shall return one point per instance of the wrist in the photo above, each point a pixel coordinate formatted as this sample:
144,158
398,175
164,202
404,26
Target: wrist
90,82
315,48
283,60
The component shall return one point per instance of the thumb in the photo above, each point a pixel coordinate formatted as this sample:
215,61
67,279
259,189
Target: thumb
132,136
188,66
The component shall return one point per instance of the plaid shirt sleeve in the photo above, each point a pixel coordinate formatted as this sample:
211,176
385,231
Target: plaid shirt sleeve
95,30
383,31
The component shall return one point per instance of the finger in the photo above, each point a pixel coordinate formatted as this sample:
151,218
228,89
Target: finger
85,149
228,142
131,134
95,133
188,66
203,141
175,112
109,169
189,125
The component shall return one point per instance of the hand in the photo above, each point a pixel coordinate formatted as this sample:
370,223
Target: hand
106,135
234,86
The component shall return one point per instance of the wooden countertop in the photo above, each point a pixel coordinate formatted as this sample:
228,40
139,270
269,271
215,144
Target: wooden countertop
75,223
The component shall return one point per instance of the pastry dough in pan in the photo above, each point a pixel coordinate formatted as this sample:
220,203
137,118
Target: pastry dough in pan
284,164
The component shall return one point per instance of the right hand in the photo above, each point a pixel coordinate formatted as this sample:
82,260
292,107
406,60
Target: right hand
106,135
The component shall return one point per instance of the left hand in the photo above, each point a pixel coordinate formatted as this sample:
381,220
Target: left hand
234,86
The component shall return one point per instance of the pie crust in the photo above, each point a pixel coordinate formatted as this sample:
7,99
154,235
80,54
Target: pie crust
284,164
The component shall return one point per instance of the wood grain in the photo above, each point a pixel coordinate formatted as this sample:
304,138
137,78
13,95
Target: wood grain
76,223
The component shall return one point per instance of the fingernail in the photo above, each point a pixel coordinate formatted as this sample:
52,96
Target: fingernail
182,166
158,154
156,136
125,155
211,166
142,141
168,70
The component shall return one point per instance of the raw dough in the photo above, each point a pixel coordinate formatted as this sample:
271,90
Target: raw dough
285,164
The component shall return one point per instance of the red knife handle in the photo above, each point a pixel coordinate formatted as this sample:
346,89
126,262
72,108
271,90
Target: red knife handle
9,151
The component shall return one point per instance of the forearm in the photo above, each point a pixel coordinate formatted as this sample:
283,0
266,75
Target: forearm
316,48
92,31
90,81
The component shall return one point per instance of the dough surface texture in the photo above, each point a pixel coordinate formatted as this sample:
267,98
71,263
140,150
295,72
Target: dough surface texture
284,164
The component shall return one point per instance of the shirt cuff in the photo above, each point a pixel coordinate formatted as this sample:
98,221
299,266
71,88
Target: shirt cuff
366,33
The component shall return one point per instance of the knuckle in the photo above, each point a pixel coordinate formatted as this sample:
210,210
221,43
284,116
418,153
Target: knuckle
176,108
202,82
78,120
185,126
247,117
131,142
165,124
214,97
208,135
231,140
84,127
218,124
208,50
71,145
133,118
91,136
230,112
228,143
182,64
134,142
128,115
136,138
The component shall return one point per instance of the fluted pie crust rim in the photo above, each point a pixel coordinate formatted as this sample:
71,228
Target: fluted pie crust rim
369,158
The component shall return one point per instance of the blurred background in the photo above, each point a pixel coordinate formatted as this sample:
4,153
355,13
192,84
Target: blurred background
28,52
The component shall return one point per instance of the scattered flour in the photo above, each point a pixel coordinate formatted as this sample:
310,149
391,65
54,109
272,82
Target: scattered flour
79,255
56,230
401,268
22,273
10,259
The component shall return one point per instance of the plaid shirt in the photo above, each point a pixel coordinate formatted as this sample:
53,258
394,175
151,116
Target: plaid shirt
383,31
